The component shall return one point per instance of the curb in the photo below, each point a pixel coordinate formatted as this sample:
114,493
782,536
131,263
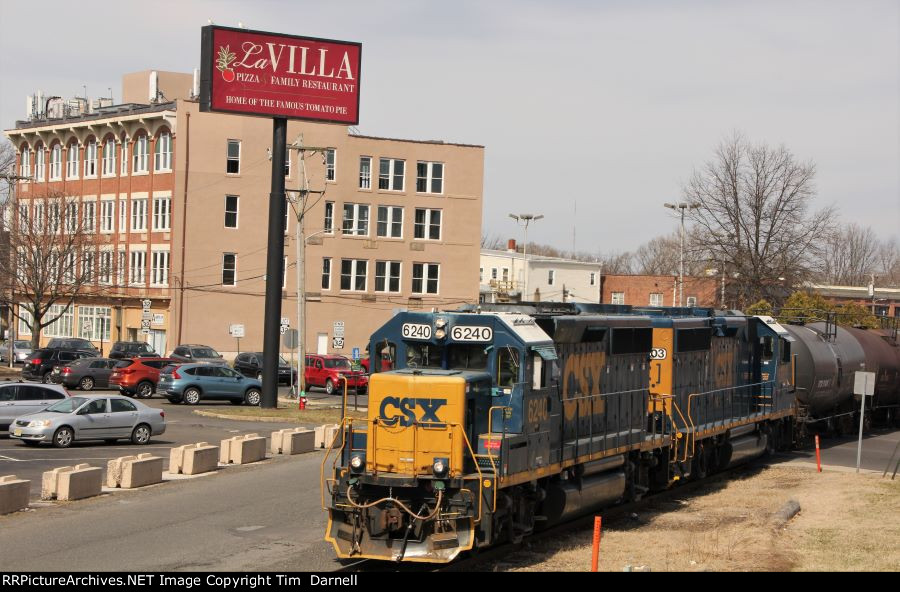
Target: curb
260,419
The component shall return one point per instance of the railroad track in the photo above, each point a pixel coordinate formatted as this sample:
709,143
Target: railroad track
471,561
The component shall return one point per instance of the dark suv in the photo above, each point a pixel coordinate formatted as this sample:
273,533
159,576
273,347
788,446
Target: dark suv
71,343
40,364
250,364
131,349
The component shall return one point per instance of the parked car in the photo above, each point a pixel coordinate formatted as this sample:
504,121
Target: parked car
138,376
110,418
251,363
71,343
132,349
386,363
86,373
197,354
325,371
21,351
20,398
189,383
40,365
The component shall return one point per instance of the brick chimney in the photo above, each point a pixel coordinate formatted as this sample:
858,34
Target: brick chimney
511,245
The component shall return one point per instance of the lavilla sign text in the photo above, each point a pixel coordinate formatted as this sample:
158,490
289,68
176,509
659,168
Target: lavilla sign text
257,73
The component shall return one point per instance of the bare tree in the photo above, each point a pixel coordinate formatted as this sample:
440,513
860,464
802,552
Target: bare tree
850,255
754,212
49,259
7,165
615,263
888,264
491,241
661,255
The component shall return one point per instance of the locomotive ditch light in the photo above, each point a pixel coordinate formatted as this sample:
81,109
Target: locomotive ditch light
440,467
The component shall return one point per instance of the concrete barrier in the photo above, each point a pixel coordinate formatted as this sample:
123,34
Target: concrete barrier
71,483
193,459
241,450
293,441
129,472
13,494
325,435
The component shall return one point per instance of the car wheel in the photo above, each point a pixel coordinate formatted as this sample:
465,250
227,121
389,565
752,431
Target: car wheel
252,397
329,387
141,434
46,378
192,396
63,437
145,390
86,384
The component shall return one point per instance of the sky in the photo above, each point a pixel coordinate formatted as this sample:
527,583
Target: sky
600,108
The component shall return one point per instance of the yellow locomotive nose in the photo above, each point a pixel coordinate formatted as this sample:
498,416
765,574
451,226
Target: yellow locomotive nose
416,423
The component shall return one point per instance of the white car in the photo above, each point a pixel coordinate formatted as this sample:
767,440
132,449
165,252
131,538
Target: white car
19,398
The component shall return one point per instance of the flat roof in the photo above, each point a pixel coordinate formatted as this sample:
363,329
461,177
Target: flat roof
98,113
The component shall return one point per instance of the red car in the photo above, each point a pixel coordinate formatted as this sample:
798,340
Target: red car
324,371
138,376
386,363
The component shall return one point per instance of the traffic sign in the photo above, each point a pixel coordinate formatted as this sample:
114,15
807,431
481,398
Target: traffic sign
290,339
146,303
236,330
86,326
338,328
337,343
355,353
145,326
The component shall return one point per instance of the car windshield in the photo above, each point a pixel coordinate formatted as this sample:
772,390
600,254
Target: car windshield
342,363
204,352
67,405
23,344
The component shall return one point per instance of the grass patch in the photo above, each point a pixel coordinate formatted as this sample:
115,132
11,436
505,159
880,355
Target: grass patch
289,414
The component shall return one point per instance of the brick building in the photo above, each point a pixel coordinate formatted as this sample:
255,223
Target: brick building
660,290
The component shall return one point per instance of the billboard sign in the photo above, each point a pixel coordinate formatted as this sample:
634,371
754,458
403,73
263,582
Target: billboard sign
275,75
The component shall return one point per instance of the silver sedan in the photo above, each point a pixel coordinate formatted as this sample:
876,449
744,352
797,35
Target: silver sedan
107,418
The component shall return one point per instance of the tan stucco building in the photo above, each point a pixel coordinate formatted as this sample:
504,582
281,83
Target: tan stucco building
397,224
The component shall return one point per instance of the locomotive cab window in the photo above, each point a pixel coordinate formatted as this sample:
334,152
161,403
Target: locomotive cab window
466,357
767,348
423,355
385,356
785,351
507,367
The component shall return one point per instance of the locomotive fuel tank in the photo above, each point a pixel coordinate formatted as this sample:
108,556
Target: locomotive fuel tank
825,367
883,359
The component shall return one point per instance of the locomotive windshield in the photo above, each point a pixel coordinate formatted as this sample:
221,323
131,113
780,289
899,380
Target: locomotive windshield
458,356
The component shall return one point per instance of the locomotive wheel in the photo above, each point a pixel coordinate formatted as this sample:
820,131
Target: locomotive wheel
700,465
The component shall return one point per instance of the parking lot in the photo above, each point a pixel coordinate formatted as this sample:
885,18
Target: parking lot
183,426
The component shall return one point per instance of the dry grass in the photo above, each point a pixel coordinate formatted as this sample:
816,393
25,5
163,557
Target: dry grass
289,413
847,522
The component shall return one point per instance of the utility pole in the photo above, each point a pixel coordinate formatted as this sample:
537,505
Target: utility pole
681,206
527,219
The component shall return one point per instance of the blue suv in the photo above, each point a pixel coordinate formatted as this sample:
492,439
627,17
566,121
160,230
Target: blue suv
189,383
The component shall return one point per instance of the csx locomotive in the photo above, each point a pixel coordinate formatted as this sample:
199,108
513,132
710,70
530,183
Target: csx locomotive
497,421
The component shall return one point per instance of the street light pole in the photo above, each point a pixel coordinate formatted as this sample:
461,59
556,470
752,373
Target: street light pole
681,206
527,219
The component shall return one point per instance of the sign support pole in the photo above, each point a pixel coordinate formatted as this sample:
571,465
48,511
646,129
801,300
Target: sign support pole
862,412
274,265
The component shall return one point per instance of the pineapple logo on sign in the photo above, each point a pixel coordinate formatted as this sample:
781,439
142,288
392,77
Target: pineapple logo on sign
223,63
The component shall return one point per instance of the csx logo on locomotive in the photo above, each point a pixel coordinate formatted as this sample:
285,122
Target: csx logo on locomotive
390,406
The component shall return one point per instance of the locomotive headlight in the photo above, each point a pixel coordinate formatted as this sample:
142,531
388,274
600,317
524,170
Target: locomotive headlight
440,334
357,463
440,323
440,467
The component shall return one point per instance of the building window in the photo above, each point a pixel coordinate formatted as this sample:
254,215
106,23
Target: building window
390,174
139,215
356,220
428,224
593,279
109,158
56,162
107,215
72,217
39,156
551,275
106,267
162,213
99,322
231,211
429,177
25,163
53,218
159,268
162,157
287,162
70,268
326,273
505,275
387,276
90,216
365,172
123,214
87,262
330,164
480,275
124,157
692,301
139,152
353,275
390,222
90,159
425,278
618,297
656,299
72,161
138,264
288,207
120,267
233,157
39,216
229,269
23,216
329,217
62,326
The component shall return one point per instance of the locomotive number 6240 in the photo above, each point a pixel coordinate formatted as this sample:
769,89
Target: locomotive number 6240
471,333
416,331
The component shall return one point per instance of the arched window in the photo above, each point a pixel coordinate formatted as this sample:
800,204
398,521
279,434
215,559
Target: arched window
109,157
39,160
56,162
72,161
25,162
162,158
140,152
124,143
90,158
